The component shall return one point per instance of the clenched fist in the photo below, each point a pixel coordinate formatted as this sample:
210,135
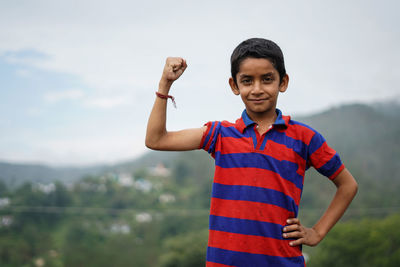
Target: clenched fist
173,69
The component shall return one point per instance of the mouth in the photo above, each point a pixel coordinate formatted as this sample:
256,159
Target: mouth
258,100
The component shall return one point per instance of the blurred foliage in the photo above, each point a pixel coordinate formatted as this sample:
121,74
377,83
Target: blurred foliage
162,221
366,242
186,250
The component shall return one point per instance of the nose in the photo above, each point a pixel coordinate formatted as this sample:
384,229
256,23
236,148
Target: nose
256,87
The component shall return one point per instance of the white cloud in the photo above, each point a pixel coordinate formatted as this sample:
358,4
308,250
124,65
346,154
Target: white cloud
106,102
336,52
24,73
57,96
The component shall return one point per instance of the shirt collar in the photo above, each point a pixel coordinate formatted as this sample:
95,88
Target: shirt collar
245,121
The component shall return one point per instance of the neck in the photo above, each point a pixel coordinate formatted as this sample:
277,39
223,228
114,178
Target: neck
263,119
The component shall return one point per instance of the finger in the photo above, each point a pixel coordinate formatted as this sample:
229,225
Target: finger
297,242
178,65
184,64
292,227
296,234
293,221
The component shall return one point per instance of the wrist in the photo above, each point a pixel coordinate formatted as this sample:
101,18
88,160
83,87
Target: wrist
164,86
320,233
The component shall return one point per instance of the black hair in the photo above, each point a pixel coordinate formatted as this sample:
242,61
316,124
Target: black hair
258,48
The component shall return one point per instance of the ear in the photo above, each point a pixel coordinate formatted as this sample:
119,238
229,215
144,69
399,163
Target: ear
284,83
234,87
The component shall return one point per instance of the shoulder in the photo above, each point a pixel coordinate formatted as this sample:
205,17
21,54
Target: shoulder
300,126
222,128
224,124
302,131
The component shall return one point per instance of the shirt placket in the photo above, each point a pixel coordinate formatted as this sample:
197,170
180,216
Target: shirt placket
259,140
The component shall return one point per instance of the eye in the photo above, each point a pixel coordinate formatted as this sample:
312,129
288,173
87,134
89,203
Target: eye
268,79
246,81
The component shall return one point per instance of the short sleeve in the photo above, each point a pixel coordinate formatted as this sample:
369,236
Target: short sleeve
323,158
210,136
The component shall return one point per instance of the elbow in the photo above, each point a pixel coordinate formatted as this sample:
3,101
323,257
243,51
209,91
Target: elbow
352,189
355,187
150,144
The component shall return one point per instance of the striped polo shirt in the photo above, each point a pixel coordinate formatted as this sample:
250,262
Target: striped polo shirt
257,186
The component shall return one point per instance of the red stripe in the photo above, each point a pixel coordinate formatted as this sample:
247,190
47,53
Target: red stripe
237,145
213,264
322,155
286,119
250,210
272,149
259,178
333,176
282,152
227,124
205,133
211,137
299,132
252,244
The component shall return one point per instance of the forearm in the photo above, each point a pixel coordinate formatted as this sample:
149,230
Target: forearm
346,190
157,136
156,126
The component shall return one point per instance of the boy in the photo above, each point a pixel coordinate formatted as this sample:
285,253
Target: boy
260,162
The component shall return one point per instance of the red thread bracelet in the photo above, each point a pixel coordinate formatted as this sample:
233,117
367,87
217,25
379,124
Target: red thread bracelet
166,97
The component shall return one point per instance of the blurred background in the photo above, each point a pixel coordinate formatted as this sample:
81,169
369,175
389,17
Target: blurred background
77,82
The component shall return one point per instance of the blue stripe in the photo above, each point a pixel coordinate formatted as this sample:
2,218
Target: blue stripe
316,142
233,132
246,119
246,227
286,169
296,145
264,142
255,194
243,259
279,120
331,166
209,134
253,136
211,149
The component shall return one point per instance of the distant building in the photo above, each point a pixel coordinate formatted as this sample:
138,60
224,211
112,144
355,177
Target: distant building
144,217
120,228
46,188
4,202
143,185
160,170
125,179
166,198
6,221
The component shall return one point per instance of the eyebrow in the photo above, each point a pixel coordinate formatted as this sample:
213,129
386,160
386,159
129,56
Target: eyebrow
244,76
247,76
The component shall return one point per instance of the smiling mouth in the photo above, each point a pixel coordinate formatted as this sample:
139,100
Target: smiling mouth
258,100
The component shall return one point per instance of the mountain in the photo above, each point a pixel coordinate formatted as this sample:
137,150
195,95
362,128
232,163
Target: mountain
366,137
15,174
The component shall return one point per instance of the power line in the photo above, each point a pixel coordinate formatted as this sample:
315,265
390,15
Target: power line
175,211
99,210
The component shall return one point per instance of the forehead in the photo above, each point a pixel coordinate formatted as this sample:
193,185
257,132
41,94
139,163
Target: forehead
253,66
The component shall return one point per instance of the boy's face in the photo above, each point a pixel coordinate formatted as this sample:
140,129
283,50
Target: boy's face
258,84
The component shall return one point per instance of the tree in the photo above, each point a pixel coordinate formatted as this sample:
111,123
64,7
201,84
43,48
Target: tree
361,243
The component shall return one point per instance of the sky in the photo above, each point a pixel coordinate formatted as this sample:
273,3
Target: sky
78,78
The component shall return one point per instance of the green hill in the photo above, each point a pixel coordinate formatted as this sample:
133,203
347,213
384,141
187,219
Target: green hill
366,137
100,219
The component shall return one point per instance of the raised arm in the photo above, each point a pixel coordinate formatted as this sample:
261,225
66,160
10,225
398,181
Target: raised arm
157,136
